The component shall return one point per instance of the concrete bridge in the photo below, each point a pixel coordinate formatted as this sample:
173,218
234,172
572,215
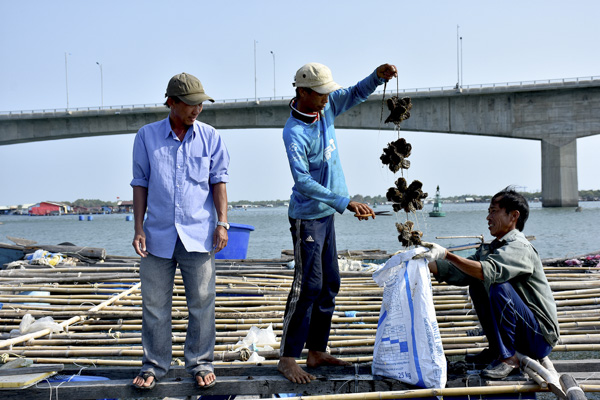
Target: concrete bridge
555,112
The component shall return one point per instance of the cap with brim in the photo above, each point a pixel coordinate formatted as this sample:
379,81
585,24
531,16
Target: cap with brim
317,77
195,99
188,89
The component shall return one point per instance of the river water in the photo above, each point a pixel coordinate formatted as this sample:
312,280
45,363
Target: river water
558,232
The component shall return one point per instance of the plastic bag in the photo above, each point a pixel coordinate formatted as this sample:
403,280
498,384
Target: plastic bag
256,340
257,337
255,358
29,324
408,344
346,264
43,257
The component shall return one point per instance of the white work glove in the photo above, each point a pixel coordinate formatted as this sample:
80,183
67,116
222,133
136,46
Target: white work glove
435,252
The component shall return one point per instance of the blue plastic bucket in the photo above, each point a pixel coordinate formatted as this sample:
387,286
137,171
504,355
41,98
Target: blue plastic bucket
237,245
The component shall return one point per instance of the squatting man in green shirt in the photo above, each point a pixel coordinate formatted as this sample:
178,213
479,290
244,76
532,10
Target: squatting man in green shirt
508,288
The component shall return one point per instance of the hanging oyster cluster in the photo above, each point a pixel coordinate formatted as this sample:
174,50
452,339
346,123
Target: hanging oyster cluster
399,109
407,236
403,196
407,198
395,155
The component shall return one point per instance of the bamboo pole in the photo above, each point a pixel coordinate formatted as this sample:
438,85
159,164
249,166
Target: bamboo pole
227,352
65,324
535,377
418,393
549,377
559,286
453,343
571,388
110,362
570,294
61,270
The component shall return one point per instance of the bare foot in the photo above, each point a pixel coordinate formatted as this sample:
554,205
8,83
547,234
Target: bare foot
209,378
318,358
140,382
292,371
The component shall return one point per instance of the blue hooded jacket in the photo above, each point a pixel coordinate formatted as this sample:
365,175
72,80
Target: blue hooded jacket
319,183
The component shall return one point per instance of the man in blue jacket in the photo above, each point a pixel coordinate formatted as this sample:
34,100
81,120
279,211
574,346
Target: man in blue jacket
319,191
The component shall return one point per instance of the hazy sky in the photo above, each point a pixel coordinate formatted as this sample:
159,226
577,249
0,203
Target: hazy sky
141,44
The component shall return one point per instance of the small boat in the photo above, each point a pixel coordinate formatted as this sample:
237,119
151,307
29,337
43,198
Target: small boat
437,205
18,251
10,253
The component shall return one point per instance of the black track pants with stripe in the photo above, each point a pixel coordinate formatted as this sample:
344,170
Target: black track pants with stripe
311,301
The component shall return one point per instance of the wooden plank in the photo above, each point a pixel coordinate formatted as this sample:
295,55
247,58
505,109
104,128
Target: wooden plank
34,369
180,387
220,370
22,381
562,366
21,241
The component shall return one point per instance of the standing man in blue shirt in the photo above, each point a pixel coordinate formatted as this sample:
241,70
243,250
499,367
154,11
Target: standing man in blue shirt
179,176
319,191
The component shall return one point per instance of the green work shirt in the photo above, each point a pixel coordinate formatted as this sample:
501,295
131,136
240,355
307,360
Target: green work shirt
517,262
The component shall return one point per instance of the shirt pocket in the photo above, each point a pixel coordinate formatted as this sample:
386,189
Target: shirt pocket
198,169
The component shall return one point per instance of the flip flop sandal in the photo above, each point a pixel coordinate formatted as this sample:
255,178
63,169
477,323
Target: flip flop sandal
145,376
203,375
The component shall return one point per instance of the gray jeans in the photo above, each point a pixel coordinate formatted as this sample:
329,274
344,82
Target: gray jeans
157,276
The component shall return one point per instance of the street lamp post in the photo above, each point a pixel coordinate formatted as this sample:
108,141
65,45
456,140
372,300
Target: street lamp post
458,84
461,64
101,85
255,96
67,79
274,93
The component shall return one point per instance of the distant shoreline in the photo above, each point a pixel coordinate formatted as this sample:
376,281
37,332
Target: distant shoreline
584,195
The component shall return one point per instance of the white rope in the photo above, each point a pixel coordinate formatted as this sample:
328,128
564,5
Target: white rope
574,388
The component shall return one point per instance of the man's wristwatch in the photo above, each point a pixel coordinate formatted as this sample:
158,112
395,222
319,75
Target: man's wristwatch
223,224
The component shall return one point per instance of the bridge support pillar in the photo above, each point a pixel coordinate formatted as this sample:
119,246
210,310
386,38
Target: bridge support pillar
559,173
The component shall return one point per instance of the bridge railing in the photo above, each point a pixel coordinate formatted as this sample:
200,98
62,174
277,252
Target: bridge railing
560,81
464,88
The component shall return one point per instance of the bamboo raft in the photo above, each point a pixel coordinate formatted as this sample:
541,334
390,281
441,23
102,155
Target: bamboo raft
99,308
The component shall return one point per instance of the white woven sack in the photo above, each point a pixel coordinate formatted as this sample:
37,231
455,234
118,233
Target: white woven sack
408,345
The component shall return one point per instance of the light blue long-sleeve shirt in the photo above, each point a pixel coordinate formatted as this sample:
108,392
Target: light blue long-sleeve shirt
319,183
179,176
